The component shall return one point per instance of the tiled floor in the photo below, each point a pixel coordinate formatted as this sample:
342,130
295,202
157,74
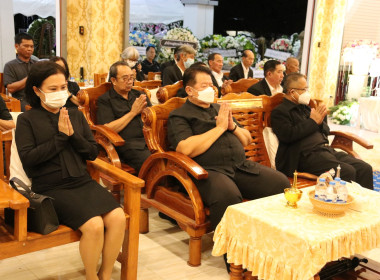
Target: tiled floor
163,251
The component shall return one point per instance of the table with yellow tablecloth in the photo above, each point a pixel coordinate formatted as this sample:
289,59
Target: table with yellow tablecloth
280,243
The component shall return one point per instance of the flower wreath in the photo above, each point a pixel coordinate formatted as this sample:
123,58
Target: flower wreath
34,30
179,34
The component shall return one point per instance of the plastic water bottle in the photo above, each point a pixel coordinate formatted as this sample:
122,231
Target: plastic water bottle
342,192
331,193
337,183
320,189
72,79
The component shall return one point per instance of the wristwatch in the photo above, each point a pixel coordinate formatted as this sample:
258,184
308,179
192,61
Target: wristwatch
233,130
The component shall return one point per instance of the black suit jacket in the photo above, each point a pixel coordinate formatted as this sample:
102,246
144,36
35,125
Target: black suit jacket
237,73
260,88
292,125
171,75
215,83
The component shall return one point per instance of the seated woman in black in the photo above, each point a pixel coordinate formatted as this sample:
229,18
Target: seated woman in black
54,144
72,87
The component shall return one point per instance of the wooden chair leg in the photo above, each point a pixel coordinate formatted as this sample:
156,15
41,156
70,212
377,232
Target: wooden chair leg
144,220
236,272
195,247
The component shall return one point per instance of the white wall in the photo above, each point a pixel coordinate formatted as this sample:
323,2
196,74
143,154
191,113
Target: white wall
362,20
7,49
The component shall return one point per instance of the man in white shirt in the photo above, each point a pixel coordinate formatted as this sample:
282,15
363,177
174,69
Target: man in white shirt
271,84
215,62
243,69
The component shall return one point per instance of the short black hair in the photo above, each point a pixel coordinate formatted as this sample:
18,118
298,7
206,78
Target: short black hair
291,78
148,48
38,73
22,36
190,74
212,57
270,66
113,69
60,58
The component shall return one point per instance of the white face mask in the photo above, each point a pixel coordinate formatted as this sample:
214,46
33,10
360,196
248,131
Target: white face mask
206,95
188,62
55,99
131,63
304,98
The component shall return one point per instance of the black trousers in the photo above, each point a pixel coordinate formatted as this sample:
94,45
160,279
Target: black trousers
134,158
219,191
325,158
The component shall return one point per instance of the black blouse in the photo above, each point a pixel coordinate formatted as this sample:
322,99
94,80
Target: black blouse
224,155
4,112
49,155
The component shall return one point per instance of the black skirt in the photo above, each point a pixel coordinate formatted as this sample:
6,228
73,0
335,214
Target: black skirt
77,200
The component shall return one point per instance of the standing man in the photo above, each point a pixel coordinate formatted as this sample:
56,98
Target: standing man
302,133
271,84
215,62
243,70
16,71
120,109
149,64
174,73
207,133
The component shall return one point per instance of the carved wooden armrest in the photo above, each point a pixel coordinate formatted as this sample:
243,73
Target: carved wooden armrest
308,176
350,136
197,171
129,180
110,134
173,164
344,140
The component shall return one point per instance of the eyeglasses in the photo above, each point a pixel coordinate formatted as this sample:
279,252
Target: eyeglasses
127,78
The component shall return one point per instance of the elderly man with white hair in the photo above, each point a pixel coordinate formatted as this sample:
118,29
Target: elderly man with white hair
131,56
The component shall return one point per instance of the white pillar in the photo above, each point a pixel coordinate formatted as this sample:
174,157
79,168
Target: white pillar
7,27
199,16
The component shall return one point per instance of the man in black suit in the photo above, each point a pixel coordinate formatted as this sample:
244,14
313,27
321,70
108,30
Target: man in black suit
302,133
184,59
215,62
243,69
271,84
168,63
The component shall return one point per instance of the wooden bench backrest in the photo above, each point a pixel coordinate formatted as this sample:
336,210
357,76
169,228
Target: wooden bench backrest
13,104
100,78
248,111
152,75
166,92
241,85
88,99
155,124
148,84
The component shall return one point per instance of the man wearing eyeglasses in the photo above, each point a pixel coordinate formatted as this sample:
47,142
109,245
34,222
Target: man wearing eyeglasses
302,133
120,109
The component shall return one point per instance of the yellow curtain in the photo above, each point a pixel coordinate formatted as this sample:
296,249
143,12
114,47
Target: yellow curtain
101,44
326,49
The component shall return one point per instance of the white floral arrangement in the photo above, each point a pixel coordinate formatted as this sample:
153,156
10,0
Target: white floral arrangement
139,38
282,44
179,34
260,65
344,112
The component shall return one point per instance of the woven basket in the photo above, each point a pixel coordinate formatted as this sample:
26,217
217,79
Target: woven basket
329,208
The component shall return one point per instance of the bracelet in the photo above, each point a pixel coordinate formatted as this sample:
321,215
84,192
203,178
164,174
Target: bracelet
233,130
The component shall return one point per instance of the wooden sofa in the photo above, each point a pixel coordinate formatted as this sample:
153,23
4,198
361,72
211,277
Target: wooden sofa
16,240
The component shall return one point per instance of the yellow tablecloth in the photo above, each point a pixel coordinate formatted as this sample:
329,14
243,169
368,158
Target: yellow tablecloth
280,243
